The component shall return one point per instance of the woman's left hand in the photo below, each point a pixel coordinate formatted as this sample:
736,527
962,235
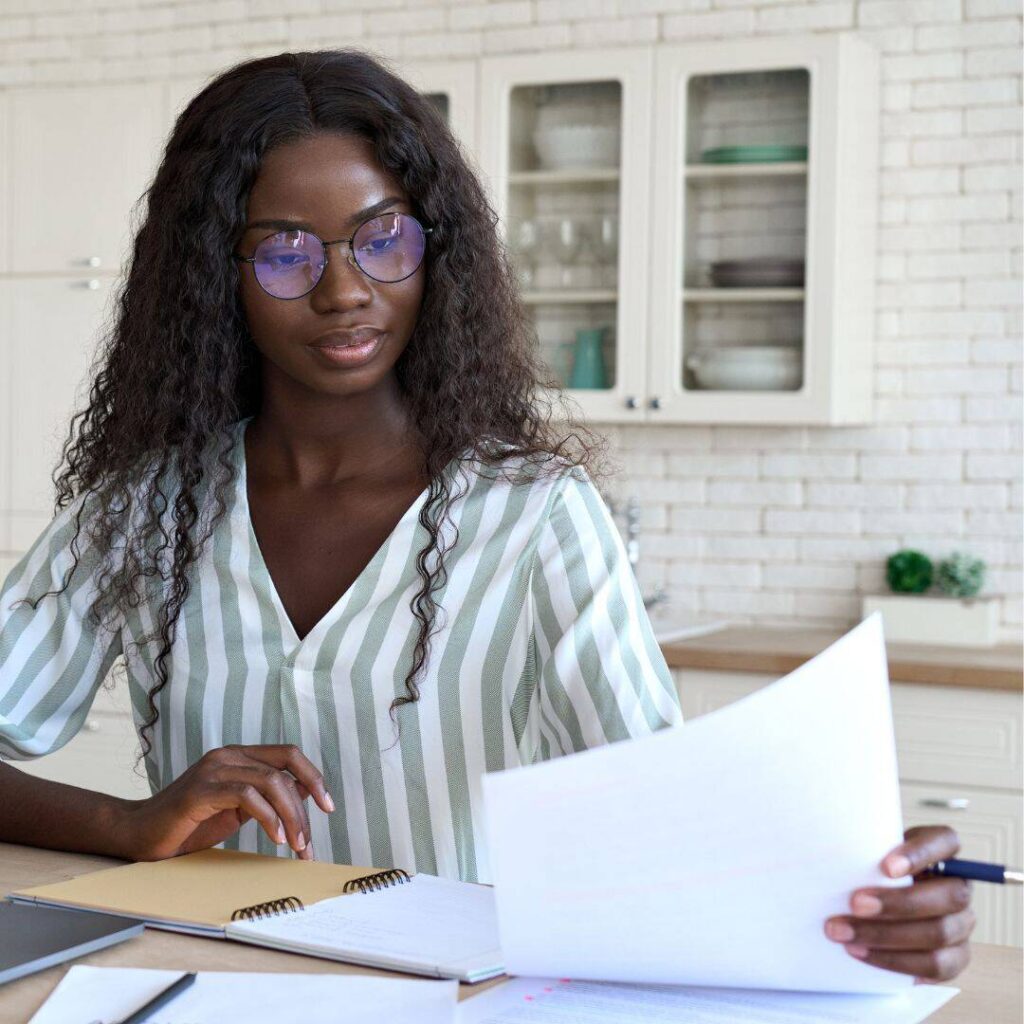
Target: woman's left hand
921,929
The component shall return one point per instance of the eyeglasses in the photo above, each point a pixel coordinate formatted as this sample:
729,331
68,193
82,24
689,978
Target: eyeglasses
387,248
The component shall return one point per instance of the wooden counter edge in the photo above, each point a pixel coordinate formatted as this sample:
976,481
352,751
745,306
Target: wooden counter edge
736,650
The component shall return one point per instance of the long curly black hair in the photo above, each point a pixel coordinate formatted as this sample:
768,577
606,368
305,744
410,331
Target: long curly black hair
176,366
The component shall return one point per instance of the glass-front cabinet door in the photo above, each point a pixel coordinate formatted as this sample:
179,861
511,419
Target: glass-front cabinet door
565,145
763,193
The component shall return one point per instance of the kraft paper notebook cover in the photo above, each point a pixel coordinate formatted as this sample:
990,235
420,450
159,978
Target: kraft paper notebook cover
416,923
197,892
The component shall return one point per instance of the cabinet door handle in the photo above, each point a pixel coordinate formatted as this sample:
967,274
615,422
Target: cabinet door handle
631,402
949,803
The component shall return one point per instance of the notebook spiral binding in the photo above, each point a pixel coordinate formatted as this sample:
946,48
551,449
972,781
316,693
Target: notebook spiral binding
285,905
380,880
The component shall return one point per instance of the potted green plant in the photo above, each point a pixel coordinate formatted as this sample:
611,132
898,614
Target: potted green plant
957,616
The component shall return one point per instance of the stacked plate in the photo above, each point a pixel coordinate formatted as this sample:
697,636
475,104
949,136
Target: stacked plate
757,273
754,154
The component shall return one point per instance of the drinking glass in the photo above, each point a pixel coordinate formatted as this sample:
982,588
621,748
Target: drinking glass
566,242
606,240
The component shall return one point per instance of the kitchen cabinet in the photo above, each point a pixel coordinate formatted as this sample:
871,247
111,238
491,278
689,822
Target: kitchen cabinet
959,755
566,152
611,156
50,326
78,160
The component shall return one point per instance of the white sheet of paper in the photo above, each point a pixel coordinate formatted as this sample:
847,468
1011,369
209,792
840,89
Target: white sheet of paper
87,994
549,1001
712,853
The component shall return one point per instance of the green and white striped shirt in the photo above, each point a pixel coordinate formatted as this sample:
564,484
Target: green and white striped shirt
544,648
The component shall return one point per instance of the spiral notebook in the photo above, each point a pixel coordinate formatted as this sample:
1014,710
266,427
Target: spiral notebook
415,923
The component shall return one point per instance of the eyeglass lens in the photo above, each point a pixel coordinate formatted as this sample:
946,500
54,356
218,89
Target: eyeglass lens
387,248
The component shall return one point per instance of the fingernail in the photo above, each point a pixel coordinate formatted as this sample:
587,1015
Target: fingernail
866,906
858,951
328,801
898,865
839,931
300,842
280,835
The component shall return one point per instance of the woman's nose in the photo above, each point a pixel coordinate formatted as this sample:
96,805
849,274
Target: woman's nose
342,280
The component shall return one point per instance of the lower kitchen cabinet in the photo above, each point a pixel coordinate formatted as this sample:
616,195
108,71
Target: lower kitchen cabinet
959,752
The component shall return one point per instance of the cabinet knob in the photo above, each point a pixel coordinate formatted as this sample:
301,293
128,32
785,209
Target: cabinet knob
92,725
949,803
92,284
631,402
655,402
93,261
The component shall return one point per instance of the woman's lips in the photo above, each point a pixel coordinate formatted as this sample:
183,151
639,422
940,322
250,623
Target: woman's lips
349,355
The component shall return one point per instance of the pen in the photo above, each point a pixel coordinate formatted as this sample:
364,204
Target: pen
978,871
160,999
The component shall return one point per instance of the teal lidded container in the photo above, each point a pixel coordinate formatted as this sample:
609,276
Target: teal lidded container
588,370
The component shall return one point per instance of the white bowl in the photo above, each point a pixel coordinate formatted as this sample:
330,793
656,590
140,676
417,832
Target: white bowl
577,145
747,368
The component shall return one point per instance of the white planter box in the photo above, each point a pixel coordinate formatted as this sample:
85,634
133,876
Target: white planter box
937,620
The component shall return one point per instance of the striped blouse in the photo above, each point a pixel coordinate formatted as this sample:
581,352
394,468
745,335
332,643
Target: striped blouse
544,648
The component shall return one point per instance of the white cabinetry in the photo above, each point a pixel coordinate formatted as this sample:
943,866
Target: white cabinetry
566,151
50,326
78,160
638,136
959,753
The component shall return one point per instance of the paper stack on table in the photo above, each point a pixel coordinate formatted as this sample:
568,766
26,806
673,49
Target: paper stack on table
553,1001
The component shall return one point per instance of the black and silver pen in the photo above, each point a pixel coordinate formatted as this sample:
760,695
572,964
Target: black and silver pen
978,871
160,999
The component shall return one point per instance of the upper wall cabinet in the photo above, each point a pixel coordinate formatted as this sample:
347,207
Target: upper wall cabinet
764,190
565,142
693,226
80,158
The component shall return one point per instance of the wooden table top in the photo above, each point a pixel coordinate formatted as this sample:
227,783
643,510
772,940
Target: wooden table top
780,649
990,987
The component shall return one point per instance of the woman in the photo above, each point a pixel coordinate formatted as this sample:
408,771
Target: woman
350,565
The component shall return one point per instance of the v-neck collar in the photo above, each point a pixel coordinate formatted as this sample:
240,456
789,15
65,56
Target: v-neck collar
294,641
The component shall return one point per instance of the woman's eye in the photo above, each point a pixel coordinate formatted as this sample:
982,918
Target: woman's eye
375,245
289,259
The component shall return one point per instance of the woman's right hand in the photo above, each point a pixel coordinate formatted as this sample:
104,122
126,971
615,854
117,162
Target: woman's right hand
227,786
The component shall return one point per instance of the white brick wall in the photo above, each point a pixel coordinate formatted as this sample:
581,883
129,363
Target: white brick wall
763,524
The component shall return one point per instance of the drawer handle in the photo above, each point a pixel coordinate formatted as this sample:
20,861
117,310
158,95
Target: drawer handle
949,803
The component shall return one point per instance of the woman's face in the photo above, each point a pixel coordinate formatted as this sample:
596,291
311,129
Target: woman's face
325,184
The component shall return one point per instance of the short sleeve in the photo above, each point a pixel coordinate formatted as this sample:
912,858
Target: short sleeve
52,658
601,676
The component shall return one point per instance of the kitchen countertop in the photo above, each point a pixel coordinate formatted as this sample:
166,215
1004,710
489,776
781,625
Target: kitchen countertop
780,649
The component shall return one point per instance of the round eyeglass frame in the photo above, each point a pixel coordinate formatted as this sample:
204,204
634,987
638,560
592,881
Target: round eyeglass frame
350,257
